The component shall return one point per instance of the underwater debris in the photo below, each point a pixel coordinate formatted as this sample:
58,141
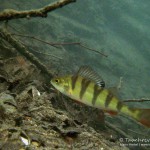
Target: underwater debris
23,50
25,139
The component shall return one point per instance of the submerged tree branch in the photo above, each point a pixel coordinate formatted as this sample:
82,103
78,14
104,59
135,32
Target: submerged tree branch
9,14
137,100
23,50
57,44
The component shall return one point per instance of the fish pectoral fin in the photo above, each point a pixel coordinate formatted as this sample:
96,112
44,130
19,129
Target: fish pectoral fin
78,102
111,112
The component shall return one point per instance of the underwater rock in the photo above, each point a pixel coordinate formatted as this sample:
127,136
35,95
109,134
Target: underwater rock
8,103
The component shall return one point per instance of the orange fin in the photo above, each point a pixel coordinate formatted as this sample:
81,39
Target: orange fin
78,102
111,112
101,116
144,117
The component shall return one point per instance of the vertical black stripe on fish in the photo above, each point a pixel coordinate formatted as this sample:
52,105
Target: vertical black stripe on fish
84,86
74,80
97,91
108,99
119,105
133,110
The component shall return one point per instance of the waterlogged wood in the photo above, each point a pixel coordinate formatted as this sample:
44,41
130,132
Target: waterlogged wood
23,50
9,14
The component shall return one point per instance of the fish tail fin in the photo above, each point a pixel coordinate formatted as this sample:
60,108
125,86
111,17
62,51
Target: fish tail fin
141,115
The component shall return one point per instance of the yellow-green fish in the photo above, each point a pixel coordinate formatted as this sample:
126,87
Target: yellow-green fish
87,87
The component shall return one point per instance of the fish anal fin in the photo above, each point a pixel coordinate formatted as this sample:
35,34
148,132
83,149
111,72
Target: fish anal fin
111,112
144,117
145,122
78,102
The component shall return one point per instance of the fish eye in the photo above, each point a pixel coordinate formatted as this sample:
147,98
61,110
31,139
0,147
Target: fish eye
56,80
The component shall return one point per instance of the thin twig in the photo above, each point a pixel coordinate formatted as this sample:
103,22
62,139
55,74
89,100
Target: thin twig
32,37
9,14
92,50
137,100
47,54
120,83
80,44
38,51
54,44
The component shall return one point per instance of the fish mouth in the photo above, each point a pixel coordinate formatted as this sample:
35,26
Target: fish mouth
52,83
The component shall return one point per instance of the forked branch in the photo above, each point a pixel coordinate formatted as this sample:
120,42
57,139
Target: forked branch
60,44
9,14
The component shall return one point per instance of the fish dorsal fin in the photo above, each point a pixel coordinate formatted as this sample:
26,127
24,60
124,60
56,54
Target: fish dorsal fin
88,73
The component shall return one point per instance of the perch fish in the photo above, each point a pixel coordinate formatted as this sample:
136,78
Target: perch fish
87,87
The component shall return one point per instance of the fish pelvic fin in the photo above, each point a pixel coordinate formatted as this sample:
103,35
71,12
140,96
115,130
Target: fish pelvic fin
141,115
111,112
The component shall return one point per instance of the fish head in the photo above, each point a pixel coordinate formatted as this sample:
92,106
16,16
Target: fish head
62,84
